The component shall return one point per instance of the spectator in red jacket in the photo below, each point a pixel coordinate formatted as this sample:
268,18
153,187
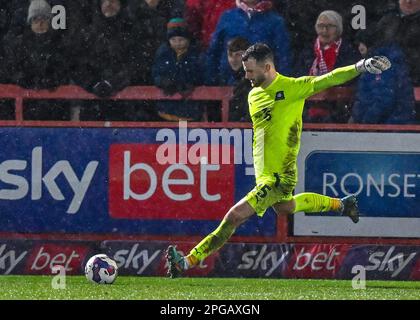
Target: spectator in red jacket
202,17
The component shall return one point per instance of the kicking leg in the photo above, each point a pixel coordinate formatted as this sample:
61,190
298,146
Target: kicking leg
313,202
237,215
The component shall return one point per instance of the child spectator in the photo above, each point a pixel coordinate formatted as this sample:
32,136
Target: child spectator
177,70
238,104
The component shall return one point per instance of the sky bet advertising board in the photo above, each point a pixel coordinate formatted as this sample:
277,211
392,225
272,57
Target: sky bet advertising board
382,169
146,181
181,181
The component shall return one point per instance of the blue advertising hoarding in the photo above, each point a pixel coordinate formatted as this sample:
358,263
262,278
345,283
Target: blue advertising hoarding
110,181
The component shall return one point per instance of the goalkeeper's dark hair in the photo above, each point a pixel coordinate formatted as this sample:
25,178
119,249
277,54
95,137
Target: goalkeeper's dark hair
260,52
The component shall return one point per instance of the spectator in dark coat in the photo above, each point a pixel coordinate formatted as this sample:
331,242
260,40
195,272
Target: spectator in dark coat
16,18
149,32
168,8
108,62
4,18
35,59
177,69
329,51
6,106
403,27
77,13
385,98
255,21
78,16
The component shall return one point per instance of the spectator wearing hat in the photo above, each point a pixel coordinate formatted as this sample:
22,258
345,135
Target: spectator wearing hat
150,18
385,98
177,70
330,50
36,60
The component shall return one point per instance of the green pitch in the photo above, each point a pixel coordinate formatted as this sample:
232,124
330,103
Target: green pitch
77,287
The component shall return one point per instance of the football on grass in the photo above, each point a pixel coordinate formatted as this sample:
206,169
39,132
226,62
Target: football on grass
101,269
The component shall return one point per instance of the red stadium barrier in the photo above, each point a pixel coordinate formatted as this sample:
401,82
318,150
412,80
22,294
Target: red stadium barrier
222,94
19,94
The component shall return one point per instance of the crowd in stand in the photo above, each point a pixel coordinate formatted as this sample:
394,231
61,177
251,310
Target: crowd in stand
176,45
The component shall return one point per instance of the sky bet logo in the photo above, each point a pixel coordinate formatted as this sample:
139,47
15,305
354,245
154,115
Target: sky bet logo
15,186
142,188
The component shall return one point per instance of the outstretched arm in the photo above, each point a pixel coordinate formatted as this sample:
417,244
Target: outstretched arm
334,78
344,74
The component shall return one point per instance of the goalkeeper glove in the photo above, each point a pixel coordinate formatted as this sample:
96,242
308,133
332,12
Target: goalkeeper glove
374,65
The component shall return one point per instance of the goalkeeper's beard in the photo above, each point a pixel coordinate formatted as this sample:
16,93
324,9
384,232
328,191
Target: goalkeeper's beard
258,81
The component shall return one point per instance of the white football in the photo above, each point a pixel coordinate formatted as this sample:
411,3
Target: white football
101,269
